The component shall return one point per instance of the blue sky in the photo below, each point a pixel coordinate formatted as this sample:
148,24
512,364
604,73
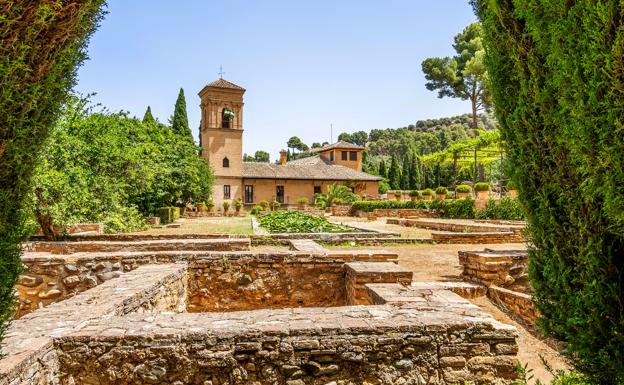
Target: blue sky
305,64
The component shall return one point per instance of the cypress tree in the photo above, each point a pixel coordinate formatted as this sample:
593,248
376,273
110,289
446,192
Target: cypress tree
382,168
148,118
394,174
42,45
405,174
558,86
179,121
415,174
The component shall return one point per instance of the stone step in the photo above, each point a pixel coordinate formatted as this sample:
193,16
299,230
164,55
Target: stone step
307,245
63,247
478,238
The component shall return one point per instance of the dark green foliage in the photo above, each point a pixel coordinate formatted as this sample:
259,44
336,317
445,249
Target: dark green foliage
415,181
482,186
427,192
282,221
179,120
405,173
262,156
394,174
148,118
507,208
41,45
165,215
557,69
382,168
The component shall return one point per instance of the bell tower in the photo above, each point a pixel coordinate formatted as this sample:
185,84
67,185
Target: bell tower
221,131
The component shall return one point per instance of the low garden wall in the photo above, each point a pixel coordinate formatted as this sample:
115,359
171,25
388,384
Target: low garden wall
477,238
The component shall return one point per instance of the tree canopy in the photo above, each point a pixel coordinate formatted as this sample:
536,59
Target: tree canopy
464,75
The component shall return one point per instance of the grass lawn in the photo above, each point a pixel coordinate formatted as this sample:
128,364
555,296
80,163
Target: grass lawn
229,225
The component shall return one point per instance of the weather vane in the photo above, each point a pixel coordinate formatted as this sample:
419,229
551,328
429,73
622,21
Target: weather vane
221,72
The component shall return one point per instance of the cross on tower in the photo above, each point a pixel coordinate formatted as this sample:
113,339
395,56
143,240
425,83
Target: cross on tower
221,72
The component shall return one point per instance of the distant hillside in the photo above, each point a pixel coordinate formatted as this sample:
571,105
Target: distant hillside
422,138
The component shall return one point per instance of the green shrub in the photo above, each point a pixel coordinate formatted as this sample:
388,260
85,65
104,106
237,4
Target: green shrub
284,221
441,191
302,201
238,204
505,209
256,209
275,205
210,204
384,186
427,192
165,215
462,188
264,204
482,186
174,213
398,194
558,86
226,206
414,193
124,220
454,208
510,186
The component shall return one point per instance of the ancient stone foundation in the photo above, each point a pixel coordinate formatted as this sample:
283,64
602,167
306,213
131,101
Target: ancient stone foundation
237,317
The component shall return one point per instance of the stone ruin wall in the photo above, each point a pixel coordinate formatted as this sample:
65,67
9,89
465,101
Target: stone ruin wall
356,352
505,274
270,282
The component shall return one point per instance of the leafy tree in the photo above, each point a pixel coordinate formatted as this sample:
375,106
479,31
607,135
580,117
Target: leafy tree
394,174
382,168
42,44
248,158
316,145
262,156
345,136
179,121
77,182
556,71
148,118
464,75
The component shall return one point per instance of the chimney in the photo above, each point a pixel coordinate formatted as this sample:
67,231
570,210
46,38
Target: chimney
283,157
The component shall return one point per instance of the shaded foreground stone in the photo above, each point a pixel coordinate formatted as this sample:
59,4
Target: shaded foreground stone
132,330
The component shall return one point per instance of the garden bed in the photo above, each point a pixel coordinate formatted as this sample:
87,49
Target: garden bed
298,222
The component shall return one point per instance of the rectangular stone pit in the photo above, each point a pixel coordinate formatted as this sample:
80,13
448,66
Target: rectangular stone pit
137,328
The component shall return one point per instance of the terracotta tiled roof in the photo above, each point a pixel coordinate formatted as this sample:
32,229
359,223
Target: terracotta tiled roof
338,144
222,83
306,168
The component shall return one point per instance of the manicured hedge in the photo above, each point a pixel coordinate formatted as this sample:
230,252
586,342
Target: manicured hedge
168,214
557,74
462,188
450,208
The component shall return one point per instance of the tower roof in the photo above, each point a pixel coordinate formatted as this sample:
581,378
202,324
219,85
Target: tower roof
222,83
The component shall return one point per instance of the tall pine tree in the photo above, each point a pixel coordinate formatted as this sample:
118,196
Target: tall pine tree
179,121
394,174
148,118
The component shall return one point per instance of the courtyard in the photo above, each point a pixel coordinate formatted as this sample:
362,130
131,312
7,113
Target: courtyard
286,295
